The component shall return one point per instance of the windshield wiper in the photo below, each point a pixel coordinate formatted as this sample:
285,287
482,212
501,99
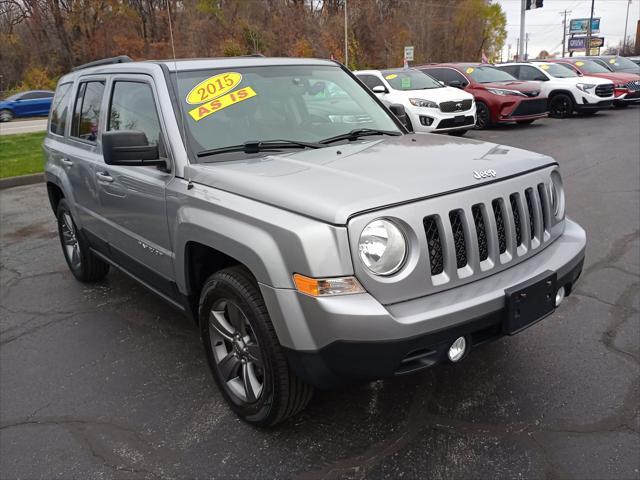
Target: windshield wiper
359,132
255,146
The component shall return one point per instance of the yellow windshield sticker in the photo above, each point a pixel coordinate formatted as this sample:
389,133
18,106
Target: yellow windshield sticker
579,64
220,103
391,76
470,70
544,66
613,60
213,87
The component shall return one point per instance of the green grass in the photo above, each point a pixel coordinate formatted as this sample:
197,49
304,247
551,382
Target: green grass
21,154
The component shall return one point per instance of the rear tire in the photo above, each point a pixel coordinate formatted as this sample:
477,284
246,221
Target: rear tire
6,115
620,105
458,133
483,116
560,106
83,263
244,353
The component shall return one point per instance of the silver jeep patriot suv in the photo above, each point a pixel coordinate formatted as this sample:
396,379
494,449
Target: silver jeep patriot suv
314,240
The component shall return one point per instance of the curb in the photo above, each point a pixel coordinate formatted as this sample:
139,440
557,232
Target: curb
21,180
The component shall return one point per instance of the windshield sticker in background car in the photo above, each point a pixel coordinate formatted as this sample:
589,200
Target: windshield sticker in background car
544,66
391,76
579,64
222,102
470,70
213,87
613,60
405,82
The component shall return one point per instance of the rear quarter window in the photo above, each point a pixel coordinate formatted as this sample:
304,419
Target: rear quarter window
60,109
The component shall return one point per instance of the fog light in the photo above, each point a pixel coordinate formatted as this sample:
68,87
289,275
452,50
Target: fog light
559,296
457,349
426,121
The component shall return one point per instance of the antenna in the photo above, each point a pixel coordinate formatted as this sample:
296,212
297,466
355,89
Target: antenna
175,71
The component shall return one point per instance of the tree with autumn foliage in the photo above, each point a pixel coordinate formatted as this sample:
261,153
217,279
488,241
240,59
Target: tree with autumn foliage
41,39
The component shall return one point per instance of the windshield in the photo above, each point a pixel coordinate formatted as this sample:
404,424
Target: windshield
303,103
410,80
489,75
589,66
558,70
621,64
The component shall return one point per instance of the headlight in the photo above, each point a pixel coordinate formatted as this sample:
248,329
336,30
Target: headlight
556,195
502,92
382,247
585,86
419,102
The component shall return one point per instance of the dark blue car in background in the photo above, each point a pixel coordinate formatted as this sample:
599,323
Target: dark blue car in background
33,103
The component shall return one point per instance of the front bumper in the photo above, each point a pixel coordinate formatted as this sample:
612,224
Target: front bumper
600,105
334,340
440,121
514,110
629,97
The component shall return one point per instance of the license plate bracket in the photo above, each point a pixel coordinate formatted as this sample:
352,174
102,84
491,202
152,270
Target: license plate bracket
530,302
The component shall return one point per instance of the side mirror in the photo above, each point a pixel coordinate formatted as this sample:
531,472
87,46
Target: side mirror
541,78
399,111
130,148
457,84
379,89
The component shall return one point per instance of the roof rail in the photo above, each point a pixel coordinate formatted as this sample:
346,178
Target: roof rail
104,61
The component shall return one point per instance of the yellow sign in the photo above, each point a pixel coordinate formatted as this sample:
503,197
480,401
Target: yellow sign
213,87
391,76
544,66
220,103
470,70
612,60
579,64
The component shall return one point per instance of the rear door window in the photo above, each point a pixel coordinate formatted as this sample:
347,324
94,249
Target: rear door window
86,113
59,109
511,70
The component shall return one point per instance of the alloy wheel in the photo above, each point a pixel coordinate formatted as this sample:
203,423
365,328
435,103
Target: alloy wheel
70,241
561,107
482,116
236,352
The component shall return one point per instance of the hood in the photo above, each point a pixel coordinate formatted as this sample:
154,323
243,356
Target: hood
583,79
334,183
616,77
523,87
438,95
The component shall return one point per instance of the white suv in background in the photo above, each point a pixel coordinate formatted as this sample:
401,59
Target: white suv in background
430,106
567,90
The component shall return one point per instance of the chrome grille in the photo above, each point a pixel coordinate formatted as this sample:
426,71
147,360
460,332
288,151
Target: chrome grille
515,224
633,85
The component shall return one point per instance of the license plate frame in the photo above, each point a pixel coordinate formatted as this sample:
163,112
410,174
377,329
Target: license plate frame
529,302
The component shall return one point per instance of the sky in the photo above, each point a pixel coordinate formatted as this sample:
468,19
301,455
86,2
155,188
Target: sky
544,25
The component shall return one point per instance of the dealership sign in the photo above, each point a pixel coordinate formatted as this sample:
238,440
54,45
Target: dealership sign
578,44
581,25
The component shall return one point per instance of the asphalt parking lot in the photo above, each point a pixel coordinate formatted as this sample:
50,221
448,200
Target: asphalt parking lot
107,381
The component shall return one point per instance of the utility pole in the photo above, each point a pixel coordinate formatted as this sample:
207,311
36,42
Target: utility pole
346,41
624,39
564,31
509,53
517,49
526,48
588,45
523,9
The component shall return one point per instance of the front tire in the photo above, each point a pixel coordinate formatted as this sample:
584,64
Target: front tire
6,115
620,105
561,106
483,116
83,263
244,353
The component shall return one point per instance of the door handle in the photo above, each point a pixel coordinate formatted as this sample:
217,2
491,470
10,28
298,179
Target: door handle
104,176
67,162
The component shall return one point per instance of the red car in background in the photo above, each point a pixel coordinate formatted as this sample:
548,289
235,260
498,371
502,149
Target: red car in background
500,97
626,85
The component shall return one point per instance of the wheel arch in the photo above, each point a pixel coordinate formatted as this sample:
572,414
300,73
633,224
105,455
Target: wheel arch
554,93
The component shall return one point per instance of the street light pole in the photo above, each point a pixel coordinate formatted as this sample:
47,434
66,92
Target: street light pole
346,41
624,39
564,31
523,9
588,45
